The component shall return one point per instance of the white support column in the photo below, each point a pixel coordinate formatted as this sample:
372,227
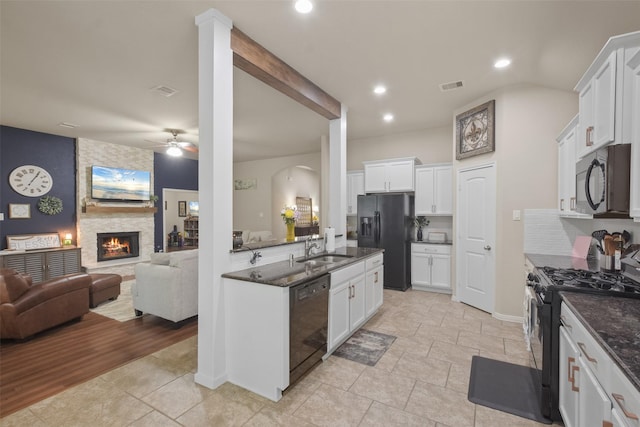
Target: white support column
338,172
215,81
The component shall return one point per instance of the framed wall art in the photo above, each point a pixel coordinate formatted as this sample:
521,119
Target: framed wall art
182,208
19,211
475,131
27,242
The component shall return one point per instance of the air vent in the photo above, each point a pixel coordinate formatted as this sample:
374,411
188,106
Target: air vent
165,91
451,86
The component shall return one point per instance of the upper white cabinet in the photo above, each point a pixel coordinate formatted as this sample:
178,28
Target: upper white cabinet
355,187
605,95
393,175
434,194
633,66
567,170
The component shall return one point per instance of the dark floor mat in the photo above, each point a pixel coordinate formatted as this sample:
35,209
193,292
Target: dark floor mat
366,347
505,387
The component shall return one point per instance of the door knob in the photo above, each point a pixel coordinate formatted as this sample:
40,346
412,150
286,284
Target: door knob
487,248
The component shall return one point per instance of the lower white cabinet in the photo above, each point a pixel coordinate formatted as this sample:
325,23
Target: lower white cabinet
431,267
355,296
373,283
592,390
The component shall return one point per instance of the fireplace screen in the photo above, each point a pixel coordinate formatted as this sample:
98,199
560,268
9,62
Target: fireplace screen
117,245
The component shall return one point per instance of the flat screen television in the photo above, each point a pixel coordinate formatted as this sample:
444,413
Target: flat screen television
119,184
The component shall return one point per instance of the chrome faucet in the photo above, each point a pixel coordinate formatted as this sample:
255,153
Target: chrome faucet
309,246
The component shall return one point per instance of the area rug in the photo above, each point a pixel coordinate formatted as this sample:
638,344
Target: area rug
505,387
366,347
122,308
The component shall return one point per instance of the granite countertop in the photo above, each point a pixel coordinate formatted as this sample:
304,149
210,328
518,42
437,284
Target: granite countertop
428,242
281,274
615,324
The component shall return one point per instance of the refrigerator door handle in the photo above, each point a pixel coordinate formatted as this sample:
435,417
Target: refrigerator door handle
377,227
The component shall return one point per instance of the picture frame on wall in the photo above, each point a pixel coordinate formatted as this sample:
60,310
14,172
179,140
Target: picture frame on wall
475,131
19,210
182,208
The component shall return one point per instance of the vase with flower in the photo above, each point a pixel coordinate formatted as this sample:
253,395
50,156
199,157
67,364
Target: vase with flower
289,216
420,222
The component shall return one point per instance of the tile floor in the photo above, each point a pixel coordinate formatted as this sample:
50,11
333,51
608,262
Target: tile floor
421,380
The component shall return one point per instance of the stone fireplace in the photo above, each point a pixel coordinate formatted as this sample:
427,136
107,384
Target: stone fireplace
118,245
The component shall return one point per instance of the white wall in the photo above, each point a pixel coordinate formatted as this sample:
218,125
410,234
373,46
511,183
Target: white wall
428,145
527,120
252,209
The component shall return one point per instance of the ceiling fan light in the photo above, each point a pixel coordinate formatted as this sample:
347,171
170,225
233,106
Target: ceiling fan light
174,151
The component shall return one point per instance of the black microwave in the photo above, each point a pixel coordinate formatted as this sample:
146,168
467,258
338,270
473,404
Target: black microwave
602,182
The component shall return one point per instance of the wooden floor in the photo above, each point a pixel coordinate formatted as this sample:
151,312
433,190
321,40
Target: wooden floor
70,354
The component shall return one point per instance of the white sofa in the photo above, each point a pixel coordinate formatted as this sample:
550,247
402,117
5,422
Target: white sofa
167,286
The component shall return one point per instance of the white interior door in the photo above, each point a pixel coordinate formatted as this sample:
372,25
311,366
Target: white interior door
476,236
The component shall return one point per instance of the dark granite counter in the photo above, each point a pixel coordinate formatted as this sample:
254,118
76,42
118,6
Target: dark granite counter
447,242
615,324
281,274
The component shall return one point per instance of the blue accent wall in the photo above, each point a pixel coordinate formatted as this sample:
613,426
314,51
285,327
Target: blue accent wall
57,155
171,172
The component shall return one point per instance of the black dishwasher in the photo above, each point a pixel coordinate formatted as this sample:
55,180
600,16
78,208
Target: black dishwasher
308,319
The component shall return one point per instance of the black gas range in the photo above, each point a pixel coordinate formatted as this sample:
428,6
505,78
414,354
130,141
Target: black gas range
544,285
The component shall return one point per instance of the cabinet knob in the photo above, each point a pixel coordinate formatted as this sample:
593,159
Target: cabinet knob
487,248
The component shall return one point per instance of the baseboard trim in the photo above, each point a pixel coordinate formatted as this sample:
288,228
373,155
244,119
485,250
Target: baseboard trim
508,318
209,381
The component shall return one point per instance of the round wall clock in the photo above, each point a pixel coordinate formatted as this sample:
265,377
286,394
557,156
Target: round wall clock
30,181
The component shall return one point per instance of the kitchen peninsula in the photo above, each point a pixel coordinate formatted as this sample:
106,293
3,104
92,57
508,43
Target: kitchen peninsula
259,306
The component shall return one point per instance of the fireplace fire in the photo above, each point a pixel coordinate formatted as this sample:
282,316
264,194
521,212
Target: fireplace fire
118,245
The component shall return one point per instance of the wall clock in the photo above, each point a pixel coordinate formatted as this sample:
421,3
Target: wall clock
30,181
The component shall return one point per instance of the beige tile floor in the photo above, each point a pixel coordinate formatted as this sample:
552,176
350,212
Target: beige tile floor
421,380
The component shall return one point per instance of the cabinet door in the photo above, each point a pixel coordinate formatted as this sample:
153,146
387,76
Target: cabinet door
32,264
443,190
563,203
355,186
375,178
584,141
420,268
357,310
569,380
441,271
400,175
373,296
604,106
424,195
339,300
594,406
54,264
635,142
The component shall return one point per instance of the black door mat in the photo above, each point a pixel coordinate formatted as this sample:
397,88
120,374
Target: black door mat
364,346
505,387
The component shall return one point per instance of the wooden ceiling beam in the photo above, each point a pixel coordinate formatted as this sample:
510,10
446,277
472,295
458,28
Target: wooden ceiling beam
252,58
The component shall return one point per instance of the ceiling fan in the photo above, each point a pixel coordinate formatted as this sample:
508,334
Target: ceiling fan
176,146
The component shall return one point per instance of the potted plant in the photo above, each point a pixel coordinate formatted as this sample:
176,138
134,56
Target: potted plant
419,222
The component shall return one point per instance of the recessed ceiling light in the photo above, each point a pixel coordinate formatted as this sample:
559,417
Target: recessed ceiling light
303,6
67,125
388,117
379,90
502,63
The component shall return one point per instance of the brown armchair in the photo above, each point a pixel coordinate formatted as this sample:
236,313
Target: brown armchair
26,309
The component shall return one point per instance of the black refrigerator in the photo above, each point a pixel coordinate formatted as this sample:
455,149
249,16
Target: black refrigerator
385,221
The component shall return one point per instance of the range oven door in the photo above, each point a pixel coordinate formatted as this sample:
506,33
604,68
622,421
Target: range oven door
536,329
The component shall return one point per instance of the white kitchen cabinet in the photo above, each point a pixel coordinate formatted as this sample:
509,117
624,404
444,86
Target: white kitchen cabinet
434,192
393,175
355,187
605,96
625,398
633,66
569,374
346,303
374,284
567,170
431,267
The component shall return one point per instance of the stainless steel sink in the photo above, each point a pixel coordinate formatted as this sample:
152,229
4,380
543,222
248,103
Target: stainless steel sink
325,259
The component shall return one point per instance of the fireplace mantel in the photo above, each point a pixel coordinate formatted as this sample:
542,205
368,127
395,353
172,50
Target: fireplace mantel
119,209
